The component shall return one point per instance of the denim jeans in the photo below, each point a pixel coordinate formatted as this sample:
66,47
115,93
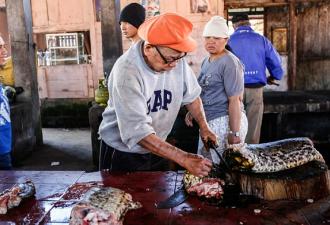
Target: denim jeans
5,162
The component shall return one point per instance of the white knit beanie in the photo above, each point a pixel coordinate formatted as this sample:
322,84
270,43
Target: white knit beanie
216,27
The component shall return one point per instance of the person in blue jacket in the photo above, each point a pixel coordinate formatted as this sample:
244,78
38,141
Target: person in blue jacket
257,53
5,124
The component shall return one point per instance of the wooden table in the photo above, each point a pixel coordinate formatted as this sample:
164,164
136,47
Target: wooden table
57,192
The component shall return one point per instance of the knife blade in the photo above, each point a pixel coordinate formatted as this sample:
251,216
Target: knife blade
174,200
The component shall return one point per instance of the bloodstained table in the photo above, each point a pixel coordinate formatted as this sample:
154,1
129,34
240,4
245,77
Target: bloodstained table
58,191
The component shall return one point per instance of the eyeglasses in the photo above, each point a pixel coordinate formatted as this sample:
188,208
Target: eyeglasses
172,60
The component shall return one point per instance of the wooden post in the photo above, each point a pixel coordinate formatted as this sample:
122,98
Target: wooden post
112,46
292,60
24,62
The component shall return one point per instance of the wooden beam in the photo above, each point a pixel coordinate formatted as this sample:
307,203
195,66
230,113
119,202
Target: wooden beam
292,59
112,46
232,4
239,4
23,53
265,23
61,28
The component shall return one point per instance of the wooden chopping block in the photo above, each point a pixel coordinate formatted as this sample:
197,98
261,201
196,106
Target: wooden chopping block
308,181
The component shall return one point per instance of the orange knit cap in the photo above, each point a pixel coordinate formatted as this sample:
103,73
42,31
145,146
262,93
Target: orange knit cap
169,30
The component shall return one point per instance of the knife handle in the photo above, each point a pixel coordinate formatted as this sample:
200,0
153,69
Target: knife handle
212,145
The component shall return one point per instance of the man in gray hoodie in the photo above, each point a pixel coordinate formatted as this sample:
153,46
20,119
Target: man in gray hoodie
147,86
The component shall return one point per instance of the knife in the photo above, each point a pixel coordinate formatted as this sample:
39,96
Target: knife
231,191
174,200
212,145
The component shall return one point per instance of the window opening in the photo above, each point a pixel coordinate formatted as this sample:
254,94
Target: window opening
256,17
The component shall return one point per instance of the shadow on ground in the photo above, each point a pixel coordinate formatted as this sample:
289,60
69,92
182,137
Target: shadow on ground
63,150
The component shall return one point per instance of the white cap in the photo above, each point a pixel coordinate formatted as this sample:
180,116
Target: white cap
216,27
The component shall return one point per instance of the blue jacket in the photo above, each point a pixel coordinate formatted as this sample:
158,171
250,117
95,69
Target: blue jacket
5,124
257,53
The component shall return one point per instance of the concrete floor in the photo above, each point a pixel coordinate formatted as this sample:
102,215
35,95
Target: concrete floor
63,150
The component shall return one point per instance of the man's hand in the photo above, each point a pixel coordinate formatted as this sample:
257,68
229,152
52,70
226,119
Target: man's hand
197,165
271,80
208,136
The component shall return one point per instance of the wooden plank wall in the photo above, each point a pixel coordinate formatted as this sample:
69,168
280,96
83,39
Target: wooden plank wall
62,15
313,46
62,81
194,59
313,37
314,30
277,17
54,16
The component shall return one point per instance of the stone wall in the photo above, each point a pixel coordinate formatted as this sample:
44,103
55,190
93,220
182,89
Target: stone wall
65,113
25,138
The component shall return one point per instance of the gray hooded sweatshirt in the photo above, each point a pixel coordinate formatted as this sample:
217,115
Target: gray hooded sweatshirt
143,102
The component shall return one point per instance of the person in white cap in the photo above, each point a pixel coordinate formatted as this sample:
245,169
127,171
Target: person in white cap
147,86
222,83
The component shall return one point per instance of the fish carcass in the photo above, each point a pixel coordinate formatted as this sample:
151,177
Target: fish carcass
210,187
13,197
273,156
257,158
101,206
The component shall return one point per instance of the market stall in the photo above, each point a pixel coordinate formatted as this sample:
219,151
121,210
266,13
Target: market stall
57,193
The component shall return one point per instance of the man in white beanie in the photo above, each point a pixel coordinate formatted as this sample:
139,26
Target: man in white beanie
222,83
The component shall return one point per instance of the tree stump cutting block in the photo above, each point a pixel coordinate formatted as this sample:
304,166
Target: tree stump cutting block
308,181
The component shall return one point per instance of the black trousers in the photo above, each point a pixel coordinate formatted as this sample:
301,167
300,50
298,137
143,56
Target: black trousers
114,160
